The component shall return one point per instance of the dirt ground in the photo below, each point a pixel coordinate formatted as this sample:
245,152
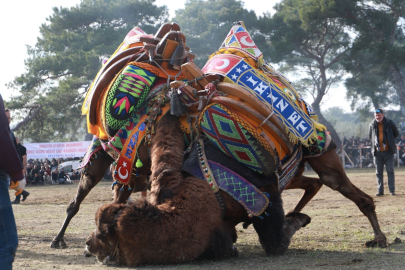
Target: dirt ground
333,240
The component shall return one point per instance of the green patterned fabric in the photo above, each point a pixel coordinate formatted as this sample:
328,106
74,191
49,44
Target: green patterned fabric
319,146
232,138
127,94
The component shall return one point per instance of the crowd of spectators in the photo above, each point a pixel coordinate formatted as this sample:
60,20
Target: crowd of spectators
47,172
358,151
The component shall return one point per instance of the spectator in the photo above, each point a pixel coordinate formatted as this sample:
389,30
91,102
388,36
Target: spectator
402,124
22,151
62,177
38,178
402,141
9,165
35,170
54,176
382,132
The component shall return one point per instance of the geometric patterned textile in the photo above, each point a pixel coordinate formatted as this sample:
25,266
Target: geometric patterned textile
239,38
318,147
261,80
270,91
126,95
250,197
132,37
235,140
94,147
117,142
309,110
289,168
239,187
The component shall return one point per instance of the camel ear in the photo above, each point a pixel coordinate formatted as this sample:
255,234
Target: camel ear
106,218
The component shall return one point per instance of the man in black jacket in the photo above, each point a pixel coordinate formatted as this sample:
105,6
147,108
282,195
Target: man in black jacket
9,165
382,132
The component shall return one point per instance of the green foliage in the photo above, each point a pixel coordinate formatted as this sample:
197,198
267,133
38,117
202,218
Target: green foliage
349,124
377,61
67,57
207,23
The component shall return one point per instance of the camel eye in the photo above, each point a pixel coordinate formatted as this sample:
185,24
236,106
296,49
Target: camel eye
100,236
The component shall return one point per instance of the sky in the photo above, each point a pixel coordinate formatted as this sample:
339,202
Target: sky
20,22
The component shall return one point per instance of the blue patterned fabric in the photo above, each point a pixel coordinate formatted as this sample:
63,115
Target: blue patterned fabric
251,198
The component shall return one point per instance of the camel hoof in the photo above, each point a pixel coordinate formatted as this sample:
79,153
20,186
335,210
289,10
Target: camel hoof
58,243
376,243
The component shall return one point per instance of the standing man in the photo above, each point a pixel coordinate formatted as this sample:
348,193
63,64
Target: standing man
9,164
22,151
382,132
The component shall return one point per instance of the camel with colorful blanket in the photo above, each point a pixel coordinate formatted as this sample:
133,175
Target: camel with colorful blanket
237,124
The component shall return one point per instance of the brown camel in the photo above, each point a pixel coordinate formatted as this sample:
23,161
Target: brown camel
184,210
327,166
165,152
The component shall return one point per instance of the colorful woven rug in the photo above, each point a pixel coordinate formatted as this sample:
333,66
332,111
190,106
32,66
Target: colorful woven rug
131,38
126,95
279,97
237,139
289,168
94,147
250,197
320,146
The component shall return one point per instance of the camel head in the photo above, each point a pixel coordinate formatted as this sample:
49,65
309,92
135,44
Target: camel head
103,241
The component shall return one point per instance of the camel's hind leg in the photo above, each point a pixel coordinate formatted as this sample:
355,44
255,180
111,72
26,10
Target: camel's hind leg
88,180
310,185
332,174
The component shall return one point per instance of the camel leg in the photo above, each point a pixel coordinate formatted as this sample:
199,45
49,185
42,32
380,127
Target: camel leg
138,184
310,185
332,174
88,180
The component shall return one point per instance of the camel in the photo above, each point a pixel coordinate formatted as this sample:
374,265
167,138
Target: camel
327,166
183,209
165,178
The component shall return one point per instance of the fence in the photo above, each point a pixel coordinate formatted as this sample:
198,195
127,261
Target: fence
343,153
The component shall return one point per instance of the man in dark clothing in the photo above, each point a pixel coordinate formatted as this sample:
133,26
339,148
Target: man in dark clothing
22,151
382,132
54,176
9,165
62,176
38,178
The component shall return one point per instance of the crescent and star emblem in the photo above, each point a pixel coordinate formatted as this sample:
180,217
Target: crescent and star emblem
224,64
245,42
120,174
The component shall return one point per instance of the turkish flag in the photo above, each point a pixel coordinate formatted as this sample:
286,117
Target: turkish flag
123,168
245,40
221,64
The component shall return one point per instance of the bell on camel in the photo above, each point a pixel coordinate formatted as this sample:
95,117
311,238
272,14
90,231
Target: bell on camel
178,56
176,106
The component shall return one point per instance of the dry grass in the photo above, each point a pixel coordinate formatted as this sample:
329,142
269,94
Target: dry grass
334,239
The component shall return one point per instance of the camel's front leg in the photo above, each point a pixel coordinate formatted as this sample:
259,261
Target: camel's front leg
88,180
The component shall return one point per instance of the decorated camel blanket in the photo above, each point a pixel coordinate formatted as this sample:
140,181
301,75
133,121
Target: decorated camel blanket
131,93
